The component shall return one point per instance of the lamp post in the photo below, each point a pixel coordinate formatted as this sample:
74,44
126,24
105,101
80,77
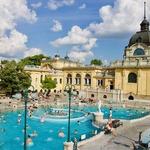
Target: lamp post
25,94
69,89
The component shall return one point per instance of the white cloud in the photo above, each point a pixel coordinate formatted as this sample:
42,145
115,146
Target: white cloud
13,42
90,44
12,11
81,41
80,55
123,18
76,36
57,26
13,45
55,4
36,5
83,6
32,52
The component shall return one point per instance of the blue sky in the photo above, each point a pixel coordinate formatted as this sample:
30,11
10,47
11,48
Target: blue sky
105,34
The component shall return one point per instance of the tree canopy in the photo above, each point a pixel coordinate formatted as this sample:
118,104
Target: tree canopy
12,79
97,62
48,83
32,60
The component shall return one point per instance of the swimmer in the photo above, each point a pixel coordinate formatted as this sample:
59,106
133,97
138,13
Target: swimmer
78,122
34,134
29,141
30,114
17,138
42,119
19,120
49,139
75,131
19,115
61,134
28,127
2,130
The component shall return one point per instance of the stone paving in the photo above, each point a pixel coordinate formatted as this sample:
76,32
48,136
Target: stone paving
126,135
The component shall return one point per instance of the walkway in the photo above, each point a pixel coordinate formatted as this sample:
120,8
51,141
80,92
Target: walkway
123,141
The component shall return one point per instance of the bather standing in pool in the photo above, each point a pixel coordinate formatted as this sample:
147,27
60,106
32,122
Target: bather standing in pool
29,141
19,120
61,134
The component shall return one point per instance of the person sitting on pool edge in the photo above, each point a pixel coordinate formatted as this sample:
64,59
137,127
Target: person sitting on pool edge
109,127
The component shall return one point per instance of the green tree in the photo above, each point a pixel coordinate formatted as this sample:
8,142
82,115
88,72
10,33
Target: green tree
48,83
12,79
4,61
97,62
32,60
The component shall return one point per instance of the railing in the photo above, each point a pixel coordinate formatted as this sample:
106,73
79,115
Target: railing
130,63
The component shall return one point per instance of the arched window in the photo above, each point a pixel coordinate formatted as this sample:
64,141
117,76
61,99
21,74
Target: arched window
130,97
78,79
132,78
104,96
87,79
139,51
69,79
92,95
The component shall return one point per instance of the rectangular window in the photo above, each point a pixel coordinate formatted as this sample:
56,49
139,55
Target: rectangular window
41,78
60,81
100,83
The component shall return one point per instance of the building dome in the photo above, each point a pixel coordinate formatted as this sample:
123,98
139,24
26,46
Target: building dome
142,36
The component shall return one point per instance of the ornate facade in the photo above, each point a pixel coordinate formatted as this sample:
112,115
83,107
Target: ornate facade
131,76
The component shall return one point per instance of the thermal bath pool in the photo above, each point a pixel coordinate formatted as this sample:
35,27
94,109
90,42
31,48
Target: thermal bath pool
11,133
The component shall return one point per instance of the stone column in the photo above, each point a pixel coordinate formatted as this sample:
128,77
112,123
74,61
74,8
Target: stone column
121,97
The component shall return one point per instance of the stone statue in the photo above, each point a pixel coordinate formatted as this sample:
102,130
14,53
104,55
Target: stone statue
99,106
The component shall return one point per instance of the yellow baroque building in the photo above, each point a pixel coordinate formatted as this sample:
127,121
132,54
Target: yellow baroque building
126,79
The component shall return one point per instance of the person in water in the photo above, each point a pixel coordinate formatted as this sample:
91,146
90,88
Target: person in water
29,141
61,134
34,134
42,119
75,131
78,122
19,120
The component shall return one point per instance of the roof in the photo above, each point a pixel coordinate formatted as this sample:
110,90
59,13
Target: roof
83,68
143,36
140,37
60,59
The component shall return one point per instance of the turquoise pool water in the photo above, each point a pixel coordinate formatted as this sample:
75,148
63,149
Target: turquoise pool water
11,133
